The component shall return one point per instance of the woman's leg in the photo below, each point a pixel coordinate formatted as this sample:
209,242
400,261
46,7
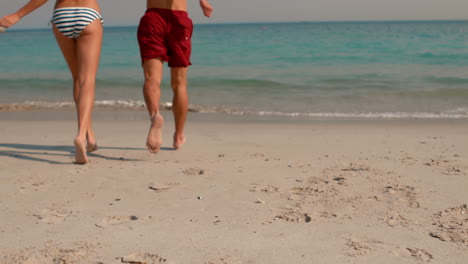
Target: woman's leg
88,52
75,61
68,48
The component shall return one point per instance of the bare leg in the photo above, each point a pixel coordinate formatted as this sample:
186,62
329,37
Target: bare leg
69,51
91,145
90,137
152,92
179,103
82,56
88,52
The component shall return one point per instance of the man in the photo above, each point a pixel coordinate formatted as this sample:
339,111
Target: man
164,34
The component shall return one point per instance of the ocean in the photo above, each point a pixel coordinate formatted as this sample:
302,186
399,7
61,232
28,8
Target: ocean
377,70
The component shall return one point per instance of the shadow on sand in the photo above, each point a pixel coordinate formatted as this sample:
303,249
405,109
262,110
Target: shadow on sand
31,152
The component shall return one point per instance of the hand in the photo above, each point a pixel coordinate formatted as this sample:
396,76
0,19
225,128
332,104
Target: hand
206,7
9,20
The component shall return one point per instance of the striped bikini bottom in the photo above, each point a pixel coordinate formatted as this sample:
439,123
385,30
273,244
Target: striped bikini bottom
71,21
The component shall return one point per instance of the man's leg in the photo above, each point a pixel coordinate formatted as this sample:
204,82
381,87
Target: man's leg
179,103
153,70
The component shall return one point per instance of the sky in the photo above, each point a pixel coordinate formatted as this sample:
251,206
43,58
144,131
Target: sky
128,12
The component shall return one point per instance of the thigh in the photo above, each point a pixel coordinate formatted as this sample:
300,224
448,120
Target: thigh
89,49
68,48
179,77
153,69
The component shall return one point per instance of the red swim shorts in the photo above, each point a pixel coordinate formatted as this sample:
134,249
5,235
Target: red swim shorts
166,34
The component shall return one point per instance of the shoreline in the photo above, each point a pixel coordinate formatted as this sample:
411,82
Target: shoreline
135,112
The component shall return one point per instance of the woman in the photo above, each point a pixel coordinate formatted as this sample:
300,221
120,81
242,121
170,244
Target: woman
77,26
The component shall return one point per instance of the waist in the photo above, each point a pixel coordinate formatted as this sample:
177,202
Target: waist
78,4
76,11
165,11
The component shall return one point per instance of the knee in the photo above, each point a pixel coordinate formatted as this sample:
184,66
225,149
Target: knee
85,83
76,83
152,81
178,83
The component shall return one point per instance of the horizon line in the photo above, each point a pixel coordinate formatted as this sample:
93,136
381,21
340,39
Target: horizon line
283,22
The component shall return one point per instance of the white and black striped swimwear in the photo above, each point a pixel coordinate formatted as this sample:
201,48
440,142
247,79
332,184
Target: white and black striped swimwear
71,21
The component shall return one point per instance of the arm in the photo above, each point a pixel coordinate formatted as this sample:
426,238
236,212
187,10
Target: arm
206,8
10,20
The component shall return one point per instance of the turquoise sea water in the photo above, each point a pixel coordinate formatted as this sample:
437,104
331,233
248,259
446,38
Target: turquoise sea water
345,69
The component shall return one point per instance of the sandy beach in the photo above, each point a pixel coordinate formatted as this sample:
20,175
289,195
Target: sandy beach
242,190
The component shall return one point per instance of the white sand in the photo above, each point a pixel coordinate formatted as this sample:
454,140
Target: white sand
237,192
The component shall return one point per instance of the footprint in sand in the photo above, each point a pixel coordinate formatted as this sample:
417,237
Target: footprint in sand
420,254
328,215
325,192
228,259
406,194
257,154
356,167
194,171
54,253
116,220
451,225
452,170
160,187
445,166
268,189
340,180
295,217
357,248
302,193
143,259
53,215
299,165
396,220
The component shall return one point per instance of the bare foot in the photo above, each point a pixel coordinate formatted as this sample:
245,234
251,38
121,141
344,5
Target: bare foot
91,146
178,141
154,141
80,152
